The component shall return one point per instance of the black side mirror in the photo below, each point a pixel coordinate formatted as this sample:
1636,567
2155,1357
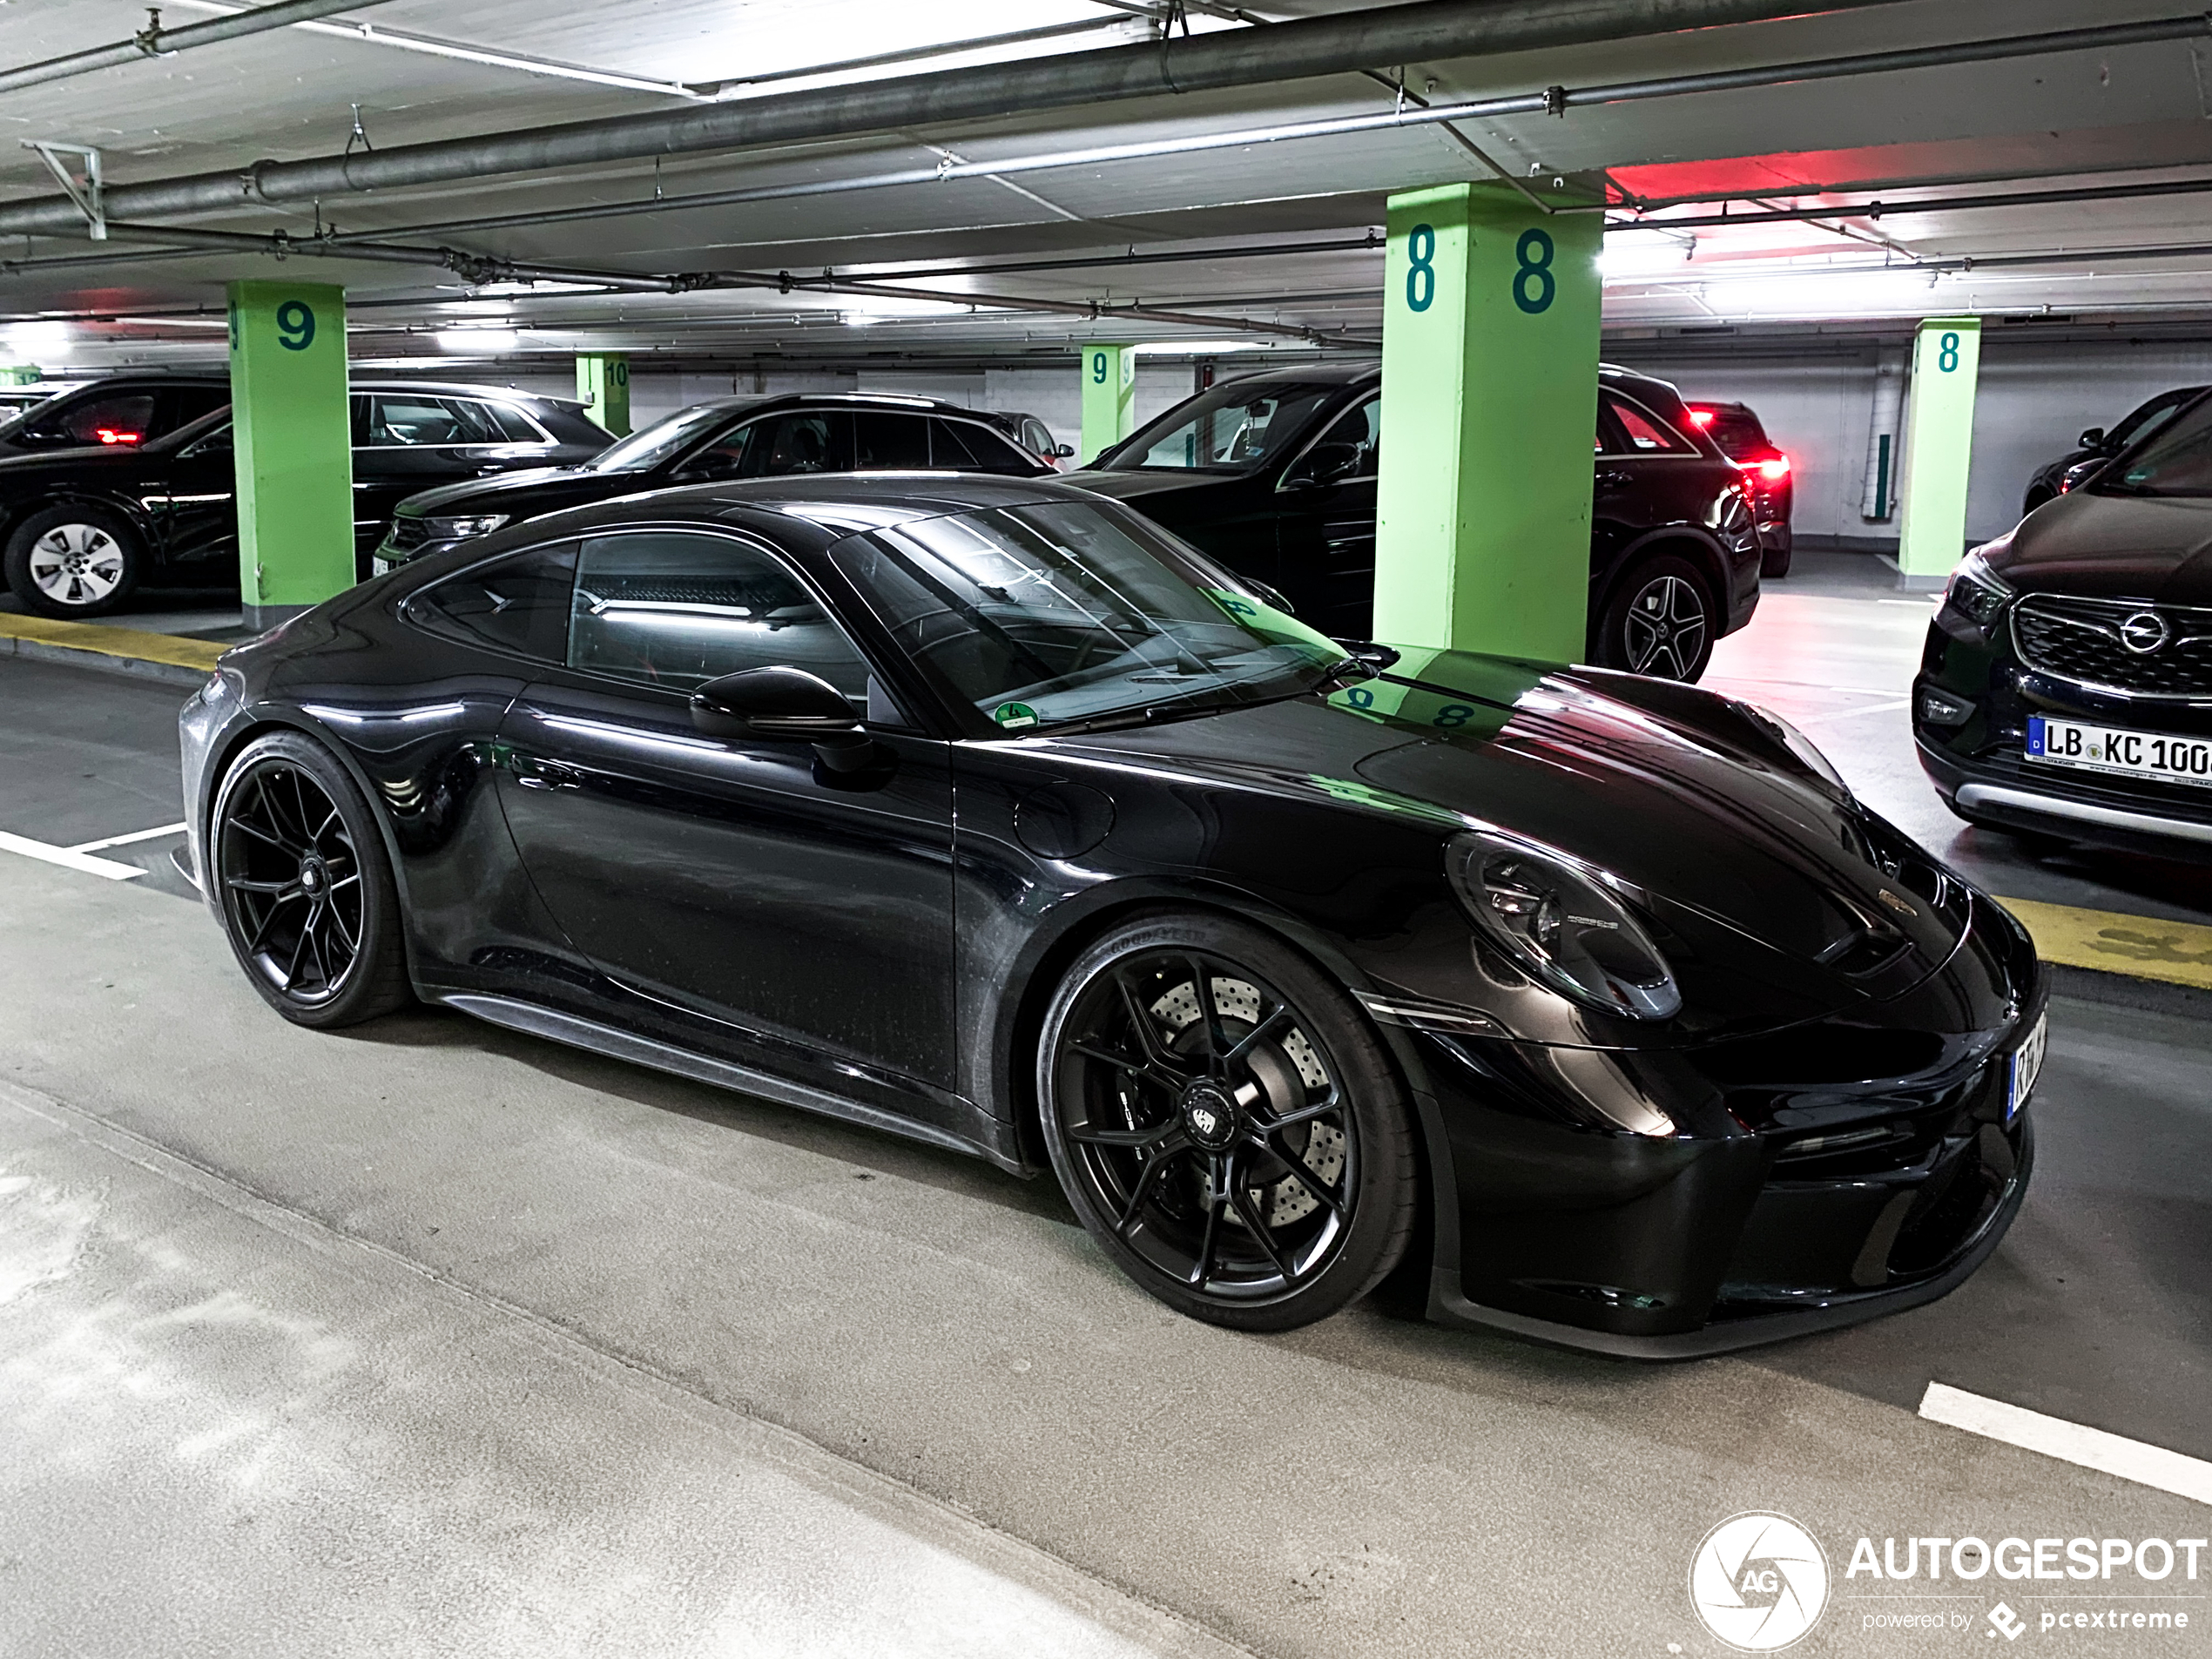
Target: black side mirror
1324,464
787,702
773,703
2093,437
1064,451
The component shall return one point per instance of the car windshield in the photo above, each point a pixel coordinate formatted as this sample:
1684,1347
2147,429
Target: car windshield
2177,461
2142,422
642,451
1231,428
1059,612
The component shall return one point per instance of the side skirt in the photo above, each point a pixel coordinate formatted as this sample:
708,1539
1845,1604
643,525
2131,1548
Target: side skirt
616,1044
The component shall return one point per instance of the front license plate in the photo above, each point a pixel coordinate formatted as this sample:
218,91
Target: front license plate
380,567
2026,1061
2129,754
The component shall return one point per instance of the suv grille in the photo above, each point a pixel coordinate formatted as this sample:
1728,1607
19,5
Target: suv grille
405,532
2084,640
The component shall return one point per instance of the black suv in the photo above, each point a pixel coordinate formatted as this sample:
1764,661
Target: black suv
731,437
115,412
84,526
2067,686
1736,433
2100,444
1274,475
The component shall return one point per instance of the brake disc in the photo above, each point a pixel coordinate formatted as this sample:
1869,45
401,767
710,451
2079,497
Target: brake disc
1285,1066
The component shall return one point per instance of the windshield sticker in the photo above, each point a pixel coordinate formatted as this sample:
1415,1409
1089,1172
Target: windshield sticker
1015,716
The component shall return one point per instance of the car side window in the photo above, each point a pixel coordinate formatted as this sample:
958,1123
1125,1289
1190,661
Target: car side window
411,420
217,442
889,442
1359,429
677,608
968,446
511,424
803,442
1638,432
726,457
519,604
126,419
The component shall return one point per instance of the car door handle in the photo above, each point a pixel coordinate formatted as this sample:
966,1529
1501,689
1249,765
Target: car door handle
1613,478
534,773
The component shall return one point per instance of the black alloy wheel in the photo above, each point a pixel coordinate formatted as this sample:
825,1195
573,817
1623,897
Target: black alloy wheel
300,881
74,561
1225,1124
1660,622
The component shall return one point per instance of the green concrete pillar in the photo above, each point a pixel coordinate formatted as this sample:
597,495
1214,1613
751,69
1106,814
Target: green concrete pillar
1490,355
1938,449
1110,399
603,387
292,444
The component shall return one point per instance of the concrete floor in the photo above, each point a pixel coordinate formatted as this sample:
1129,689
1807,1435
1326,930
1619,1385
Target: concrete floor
430,1338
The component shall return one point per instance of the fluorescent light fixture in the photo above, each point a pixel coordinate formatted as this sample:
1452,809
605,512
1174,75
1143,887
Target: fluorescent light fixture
1645,253
37,336
1198,347
477,341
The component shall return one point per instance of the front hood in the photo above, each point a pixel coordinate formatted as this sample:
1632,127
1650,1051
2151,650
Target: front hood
537,489
1680,793
2111,547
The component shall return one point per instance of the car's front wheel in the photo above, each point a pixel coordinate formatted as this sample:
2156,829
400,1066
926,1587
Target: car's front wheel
1225,1124
1661,620
296,872
74,561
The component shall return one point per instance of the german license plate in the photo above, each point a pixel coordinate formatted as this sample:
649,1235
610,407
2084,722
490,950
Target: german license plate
2111,748
2026,1061
380,567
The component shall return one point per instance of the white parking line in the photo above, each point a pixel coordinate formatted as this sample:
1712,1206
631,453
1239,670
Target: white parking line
126,841
2149,1466
69,858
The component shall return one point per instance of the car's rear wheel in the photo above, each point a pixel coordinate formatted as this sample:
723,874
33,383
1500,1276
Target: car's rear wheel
74,562
1225,1124
1661,620
299,878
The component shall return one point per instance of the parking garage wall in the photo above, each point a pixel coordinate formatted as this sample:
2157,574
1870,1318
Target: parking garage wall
2035,398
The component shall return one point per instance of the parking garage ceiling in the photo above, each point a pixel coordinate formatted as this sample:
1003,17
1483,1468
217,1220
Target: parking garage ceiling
1198,218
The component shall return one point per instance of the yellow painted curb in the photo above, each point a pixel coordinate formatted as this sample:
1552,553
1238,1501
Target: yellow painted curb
2178,952
114,642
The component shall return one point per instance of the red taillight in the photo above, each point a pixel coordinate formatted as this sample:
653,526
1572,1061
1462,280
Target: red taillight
1775,469
109,434
1701,418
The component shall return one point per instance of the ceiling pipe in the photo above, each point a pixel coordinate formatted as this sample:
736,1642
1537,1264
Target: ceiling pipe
157,42
1879,209
2103,38
479,268
1430,32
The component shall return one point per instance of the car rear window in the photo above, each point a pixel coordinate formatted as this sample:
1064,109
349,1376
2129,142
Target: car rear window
1736,433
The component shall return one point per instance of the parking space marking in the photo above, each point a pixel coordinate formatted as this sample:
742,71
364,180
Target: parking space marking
2148,1466
69,858
2179,952
126,841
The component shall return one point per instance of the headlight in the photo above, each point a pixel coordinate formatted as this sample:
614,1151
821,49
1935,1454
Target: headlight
460,530
1555,918
1797,744
1976,591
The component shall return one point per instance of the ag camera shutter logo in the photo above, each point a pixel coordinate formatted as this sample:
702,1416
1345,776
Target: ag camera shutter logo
1758,1581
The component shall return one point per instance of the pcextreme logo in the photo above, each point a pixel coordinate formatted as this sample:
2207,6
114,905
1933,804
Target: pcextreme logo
1758,1581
